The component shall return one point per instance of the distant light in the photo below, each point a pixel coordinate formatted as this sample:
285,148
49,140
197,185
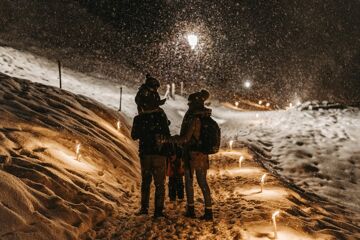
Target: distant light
290,104
260,102
267,104
192,40
298,102
236,103
247,84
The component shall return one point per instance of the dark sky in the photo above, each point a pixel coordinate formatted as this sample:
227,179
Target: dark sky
308,49
288,49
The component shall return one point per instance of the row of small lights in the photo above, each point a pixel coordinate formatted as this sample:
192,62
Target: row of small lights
262,183
260,103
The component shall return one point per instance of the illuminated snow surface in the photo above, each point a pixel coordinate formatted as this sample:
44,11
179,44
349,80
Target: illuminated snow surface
316,151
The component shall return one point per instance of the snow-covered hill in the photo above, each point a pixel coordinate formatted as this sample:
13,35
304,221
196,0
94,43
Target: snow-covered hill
46,192
313,150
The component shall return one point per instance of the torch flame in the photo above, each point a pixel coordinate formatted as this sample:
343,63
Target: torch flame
78,151
263,178
231,142
241,159
274,223
276,213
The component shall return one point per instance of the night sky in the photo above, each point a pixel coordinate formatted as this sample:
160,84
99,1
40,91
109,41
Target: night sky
288,49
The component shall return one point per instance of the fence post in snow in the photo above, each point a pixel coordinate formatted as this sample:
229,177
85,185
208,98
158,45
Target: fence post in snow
173,90
120,103
59,65
167,91
182,88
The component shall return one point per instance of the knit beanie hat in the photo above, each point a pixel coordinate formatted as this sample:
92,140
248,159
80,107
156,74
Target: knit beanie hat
199,97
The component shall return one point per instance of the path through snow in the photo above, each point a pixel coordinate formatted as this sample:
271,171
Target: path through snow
241,210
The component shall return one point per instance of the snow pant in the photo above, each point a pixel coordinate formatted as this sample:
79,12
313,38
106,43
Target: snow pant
176,187
153,166
201,179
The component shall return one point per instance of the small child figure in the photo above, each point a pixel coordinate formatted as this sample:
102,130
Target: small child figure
176,173
147,97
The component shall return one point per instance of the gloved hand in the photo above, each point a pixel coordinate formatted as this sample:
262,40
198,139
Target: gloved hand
160,139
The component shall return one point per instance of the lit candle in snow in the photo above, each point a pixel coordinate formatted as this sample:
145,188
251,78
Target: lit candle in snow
118,125
231,142
241,159
262,181
274,222
78,151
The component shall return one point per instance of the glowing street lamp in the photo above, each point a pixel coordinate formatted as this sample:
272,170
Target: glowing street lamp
274,222
247,84
192,40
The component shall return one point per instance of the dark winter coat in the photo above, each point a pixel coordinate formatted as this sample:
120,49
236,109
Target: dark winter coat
147,98
146,127
190,136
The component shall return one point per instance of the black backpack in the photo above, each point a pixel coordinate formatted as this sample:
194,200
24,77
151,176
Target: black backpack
210,136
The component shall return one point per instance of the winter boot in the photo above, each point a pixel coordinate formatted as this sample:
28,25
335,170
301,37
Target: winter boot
159,214
142,211
208,216
190,212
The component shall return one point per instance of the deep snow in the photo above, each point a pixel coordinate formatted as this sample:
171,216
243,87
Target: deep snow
45,191
316,150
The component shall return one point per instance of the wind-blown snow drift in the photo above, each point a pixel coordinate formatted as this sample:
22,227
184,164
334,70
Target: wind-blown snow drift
45,192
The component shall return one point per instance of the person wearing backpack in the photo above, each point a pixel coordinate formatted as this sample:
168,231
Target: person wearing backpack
146,127
199,136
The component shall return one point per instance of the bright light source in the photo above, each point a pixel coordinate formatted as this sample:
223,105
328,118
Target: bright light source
78,146
231,142
260,102
274,222
192,40
236,103
241,159
262,181
247,84
118,125
267,105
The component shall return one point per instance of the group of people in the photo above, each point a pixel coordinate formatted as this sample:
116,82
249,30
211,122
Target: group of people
176,156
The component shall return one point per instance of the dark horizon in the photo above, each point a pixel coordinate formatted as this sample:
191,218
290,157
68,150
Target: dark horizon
304,50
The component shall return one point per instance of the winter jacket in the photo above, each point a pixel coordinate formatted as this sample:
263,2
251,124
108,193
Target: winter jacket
147,98
146,127
189,139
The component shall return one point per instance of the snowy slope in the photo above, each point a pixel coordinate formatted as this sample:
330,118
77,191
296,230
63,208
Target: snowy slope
317,150
46,193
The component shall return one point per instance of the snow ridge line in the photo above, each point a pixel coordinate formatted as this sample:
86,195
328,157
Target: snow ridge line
261,157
